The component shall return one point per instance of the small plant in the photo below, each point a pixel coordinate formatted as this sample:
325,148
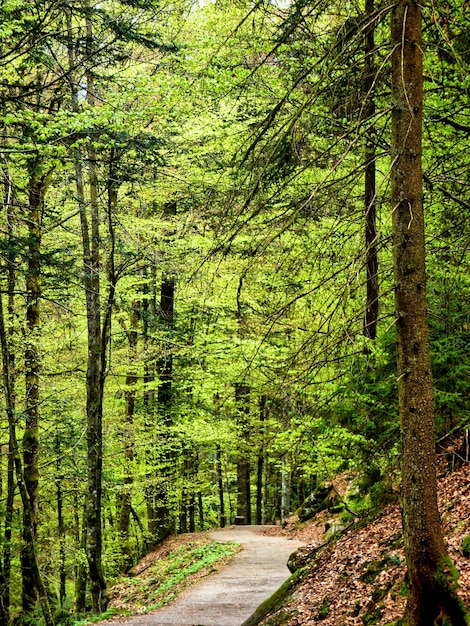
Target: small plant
466,546
325,608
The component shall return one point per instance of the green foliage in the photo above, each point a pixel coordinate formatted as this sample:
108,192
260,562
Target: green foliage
255,129
324,608
168,576
466,546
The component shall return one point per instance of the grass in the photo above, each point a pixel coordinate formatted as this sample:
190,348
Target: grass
166,578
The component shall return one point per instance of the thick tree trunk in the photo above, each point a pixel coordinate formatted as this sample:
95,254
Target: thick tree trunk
432,598
372,282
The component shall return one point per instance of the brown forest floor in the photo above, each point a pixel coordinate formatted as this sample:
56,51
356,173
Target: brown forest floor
358,579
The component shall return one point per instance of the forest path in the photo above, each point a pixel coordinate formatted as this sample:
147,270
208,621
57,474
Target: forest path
230,596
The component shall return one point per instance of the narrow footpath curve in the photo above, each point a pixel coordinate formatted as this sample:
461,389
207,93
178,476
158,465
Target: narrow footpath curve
230,596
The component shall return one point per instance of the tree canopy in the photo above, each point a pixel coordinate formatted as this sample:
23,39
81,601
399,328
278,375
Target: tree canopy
203,267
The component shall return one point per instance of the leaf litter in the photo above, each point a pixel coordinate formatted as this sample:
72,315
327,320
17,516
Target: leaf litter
358,577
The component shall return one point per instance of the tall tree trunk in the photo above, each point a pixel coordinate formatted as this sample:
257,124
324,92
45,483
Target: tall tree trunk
80,571
128,439
220,485
372,282
37,189
285,491
148,326
242,396
98,331
242,403
200,508
28,526
4,583
432,597
81,574
60,522
5,595
219,471
10,499
163,522
263,404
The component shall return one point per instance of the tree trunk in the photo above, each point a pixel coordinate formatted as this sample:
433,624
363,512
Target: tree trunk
163,523
285,491
148,326
10,499
242,395
60,522
81,576
94,405
28,526
4,583
91,280
8,527
128,440
263,404
220,485
37,189
200,510
192,512
372,282
432,597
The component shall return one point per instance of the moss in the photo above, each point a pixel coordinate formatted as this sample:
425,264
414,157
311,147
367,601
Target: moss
373,617
274,603
374,568
405,589
466,546
357,609
379,593
280,619
394,541
448,575
453,610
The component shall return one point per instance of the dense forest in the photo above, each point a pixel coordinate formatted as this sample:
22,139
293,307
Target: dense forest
212,258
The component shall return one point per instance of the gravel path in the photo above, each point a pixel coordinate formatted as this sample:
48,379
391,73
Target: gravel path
229,597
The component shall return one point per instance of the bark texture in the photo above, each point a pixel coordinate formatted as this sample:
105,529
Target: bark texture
432,597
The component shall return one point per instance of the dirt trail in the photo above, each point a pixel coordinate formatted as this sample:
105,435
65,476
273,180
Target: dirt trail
230,596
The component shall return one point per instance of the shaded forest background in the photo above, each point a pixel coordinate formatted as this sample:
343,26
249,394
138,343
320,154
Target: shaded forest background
197,315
